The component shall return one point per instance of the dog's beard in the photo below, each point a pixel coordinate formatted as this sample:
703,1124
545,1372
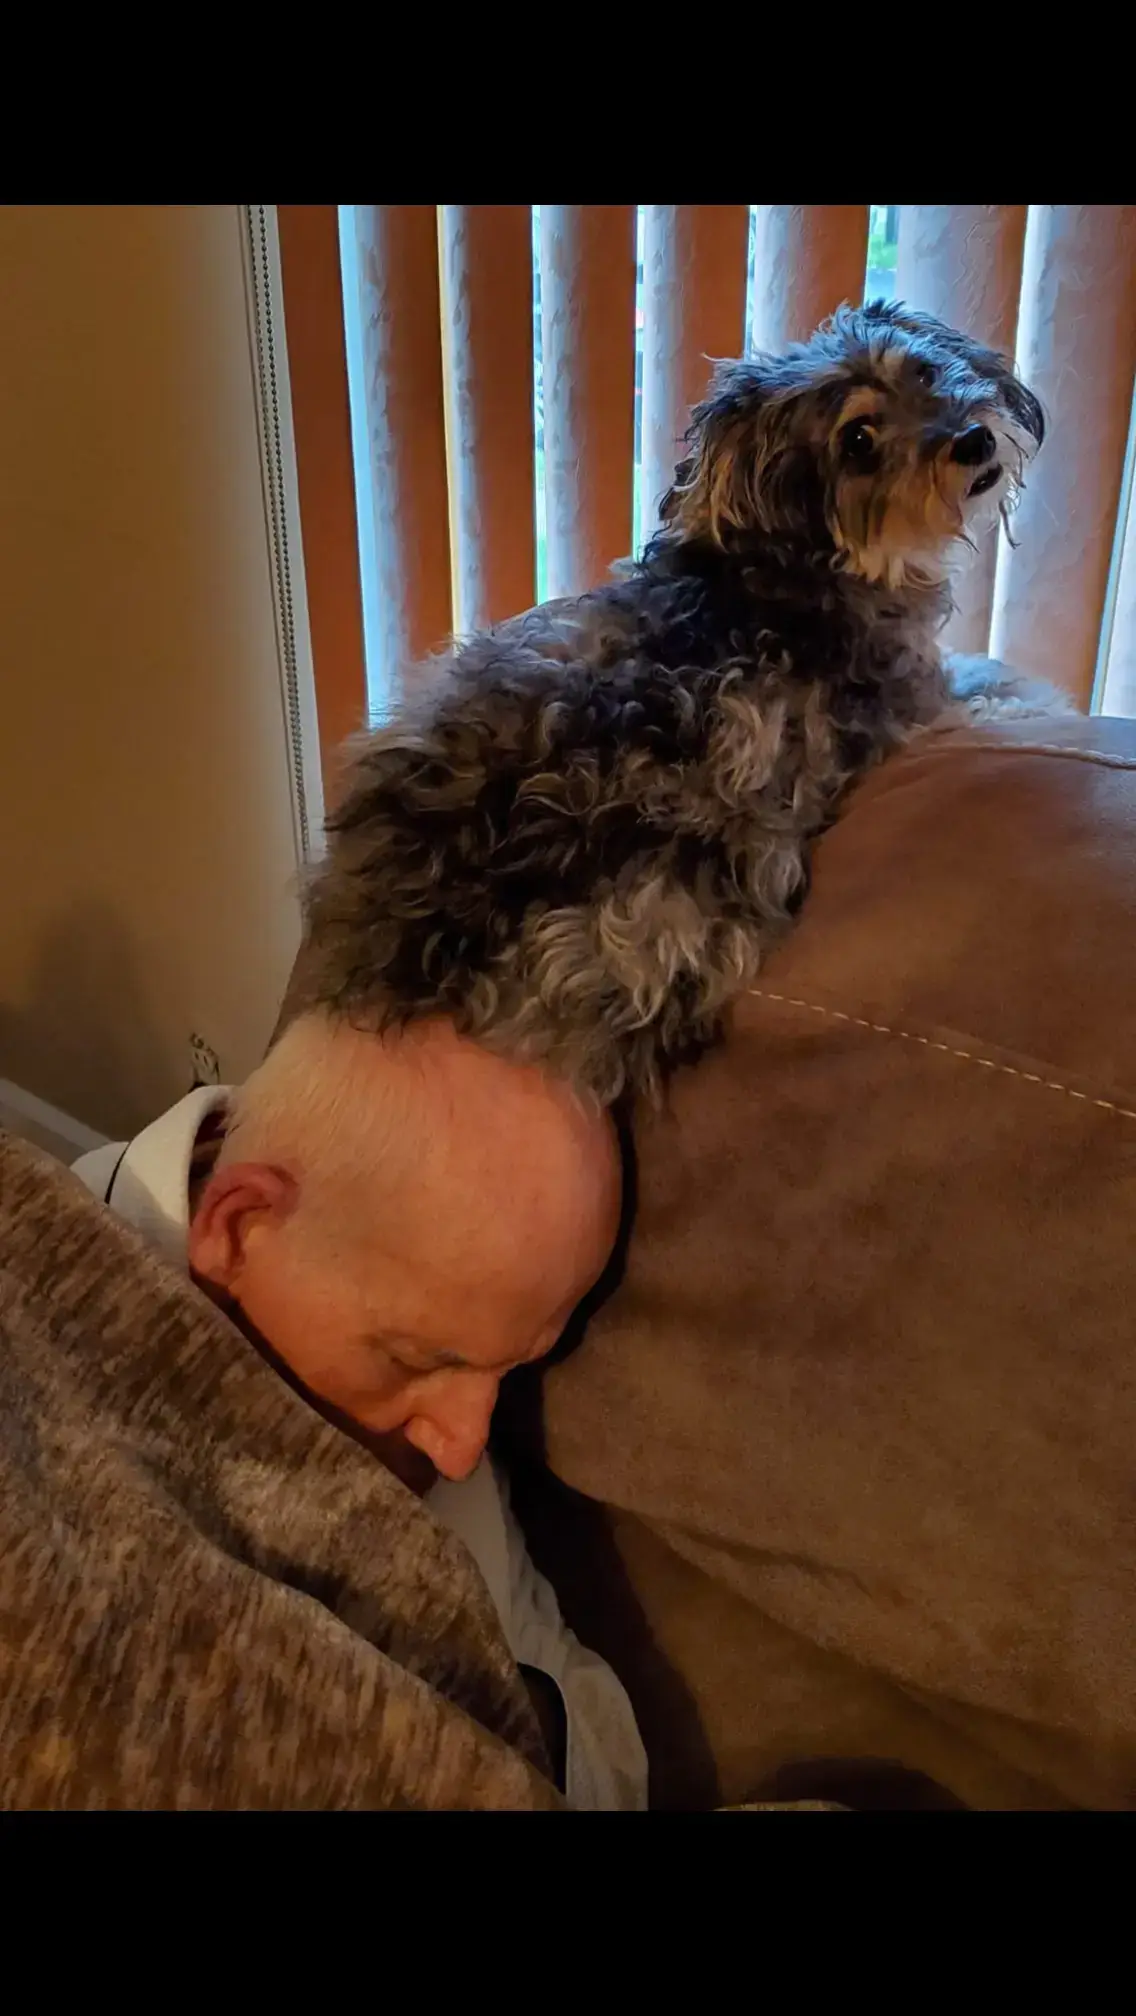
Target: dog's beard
905,539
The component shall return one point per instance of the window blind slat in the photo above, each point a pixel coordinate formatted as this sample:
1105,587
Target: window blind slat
402,359
1077,348
963,263
488,340
694,299
588,343
321,418
809,258
1118,671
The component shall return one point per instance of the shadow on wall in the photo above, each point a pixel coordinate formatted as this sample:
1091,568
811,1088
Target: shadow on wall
83,1037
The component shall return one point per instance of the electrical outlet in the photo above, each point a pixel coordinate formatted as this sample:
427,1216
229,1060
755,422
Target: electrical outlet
206,1064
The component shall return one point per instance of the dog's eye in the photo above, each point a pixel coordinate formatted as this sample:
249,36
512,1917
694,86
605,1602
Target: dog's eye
925,373
858,444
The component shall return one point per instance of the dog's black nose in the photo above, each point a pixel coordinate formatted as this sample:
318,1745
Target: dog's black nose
976,445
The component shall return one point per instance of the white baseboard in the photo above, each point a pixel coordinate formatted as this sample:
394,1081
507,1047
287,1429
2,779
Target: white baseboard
22,1113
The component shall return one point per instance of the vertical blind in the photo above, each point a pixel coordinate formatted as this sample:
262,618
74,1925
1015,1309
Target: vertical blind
443,379
487,356
587,275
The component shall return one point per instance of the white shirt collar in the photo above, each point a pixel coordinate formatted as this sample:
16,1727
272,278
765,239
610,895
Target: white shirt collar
151,1188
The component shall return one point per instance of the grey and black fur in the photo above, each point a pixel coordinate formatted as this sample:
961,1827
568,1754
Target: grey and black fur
588,824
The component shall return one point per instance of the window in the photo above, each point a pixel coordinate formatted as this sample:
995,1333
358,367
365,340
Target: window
1020,268
883,240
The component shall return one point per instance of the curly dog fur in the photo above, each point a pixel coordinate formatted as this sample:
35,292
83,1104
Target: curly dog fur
589,824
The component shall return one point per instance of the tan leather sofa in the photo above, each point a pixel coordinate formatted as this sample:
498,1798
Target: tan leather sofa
843,1475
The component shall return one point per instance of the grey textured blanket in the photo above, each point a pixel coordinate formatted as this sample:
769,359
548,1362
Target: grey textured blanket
208,1596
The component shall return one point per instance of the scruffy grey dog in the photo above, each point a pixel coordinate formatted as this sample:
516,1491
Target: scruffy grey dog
588,824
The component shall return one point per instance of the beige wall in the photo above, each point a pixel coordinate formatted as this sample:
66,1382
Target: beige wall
145,826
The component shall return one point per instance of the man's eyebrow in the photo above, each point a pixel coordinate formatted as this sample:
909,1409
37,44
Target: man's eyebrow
426,1360
441,1360
447,1361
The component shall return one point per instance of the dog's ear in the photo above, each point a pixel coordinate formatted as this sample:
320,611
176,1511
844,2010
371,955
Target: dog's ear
713,493
889,314
1021,404
671,503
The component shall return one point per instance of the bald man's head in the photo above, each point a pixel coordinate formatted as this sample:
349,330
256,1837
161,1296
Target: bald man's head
402,1219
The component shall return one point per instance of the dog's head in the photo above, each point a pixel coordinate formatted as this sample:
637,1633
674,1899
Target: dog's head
878,444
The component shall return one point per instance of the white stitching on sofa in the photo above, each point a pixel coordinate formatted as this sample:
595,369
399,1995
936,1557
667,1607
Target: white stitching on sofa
948,1049
1110,757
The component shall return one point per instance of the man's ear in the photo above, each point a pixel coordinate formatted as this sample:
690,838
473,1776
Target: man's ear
238,1201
